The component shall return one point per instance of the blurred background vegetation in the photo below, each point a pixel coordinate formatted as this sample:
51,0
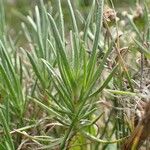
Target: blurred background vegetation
16,7
17,10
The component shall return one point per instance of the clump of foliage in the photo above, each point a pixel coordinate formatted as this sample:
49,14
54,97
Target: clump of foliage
79,89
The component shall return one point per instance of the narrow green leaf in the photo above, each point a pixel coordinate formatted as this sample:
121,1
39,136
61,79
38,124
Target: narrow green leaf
61,21
88,21
61,89
51,111
61,50
11,69
39,32
143,49
105,82
32,23
36,69
135,28
99,20
8,83
6,130
117,92
95,139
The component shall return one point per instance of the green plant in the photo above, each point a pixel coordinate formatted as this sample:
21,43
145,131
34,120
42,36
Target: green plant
75,83
70,90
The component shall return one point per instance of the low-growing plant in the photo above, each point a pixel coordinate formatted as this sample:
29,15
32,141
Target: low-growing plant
75,90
